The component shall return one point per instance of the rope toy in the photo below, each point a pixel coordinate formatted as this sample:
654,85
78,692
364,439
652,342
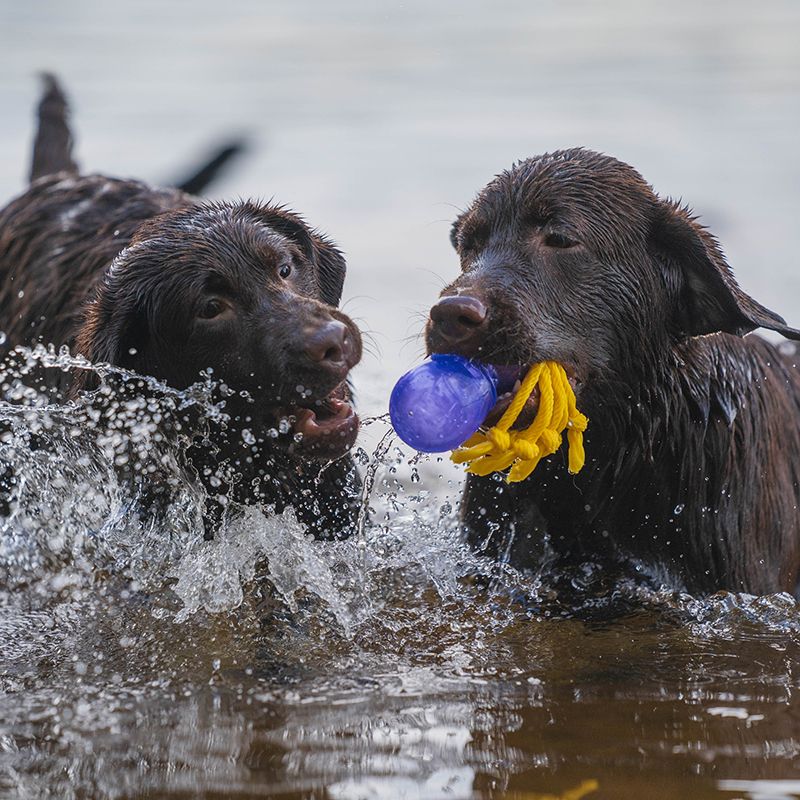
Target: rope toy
499,448
580,791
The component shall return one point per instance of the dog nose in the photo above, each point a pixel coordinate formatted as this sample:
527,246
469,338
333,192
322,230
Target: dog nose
330,346
459,319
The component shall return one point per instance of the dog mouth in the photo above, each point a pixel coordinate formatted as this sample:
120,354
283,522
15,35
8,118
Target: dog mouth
325,428
508,383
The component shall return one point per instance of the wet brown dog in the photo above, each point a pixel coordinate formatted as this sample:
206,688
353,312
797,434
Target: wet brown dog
157,282
693,447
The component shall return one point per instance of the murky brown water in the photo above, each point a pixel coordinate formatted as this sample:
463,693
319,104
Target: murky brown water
431,699
395,676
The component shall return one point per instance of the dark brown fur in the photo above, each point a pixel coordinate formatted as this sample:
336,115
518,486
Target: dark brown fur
155,281
693,448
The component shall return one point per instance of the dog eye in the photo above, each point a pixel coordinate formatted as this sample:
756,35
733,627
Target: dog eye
558,240
211,309
285,271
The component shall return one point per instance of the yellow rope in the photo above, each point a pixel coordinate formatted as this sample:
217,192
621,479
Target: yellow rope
579,792
499,448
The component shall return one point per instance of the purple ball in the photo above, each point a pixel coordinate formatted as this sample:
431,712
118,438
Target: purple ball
438,405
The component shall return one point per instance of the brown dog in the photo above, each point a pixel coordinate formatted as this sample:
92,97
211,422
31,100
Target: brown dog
157,282
693,448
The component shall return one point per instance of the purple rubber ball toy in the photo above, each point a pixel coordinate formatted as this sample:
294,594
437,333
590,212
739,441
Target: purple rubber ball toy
438,405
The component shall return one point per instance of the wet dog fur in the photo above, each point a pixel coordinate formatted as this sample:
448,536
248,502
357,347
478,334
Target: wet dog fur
693,448
156,281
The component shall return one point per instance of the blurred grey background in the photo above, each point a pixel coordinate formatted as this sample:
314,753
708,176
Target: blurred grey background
379,120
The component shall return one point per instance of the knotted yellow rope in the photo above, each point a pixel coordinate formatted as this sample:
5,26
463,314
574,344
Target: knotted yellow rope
586,787
499,448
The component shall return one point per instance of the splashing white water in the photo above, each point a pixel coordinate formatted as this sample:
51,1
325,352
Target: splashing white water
71,519
211,574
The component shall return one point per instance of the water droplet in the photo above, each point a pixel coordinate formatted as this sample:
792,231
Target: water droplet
679,508
361,456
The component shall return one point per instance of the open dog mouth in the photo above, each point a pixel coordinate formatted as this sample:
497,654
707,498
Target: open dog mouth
325,428
509,379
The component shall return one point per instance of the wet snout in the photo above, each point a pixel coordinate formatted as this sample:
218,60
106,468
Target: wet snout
458,324
330,346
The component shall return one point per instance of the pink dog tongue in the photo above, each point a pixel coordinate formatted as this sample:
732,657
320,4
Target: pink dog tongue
313,422
330,436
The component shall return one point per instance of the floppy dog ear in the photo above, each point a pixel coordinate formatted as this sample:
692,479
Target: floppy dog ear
332,268
100,338
454,229
709,299
319,250
105,334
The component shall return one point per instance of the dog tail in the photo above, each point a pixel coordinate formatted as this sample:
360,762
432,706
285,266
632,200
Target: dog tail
202,177
52,148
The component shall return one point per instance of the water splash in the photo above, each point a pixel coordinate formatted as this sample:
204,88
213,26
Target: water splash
212,574
65,506
396,661
71,519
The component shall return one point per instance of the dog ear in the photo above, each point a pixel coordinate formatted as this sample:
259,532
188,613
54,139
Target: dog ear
454,229
96,343
709,298
319,250
105,334
332,268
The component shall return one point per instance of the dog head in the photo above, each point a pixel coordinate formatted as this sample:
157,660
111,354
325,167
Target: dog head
571,256
246,291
